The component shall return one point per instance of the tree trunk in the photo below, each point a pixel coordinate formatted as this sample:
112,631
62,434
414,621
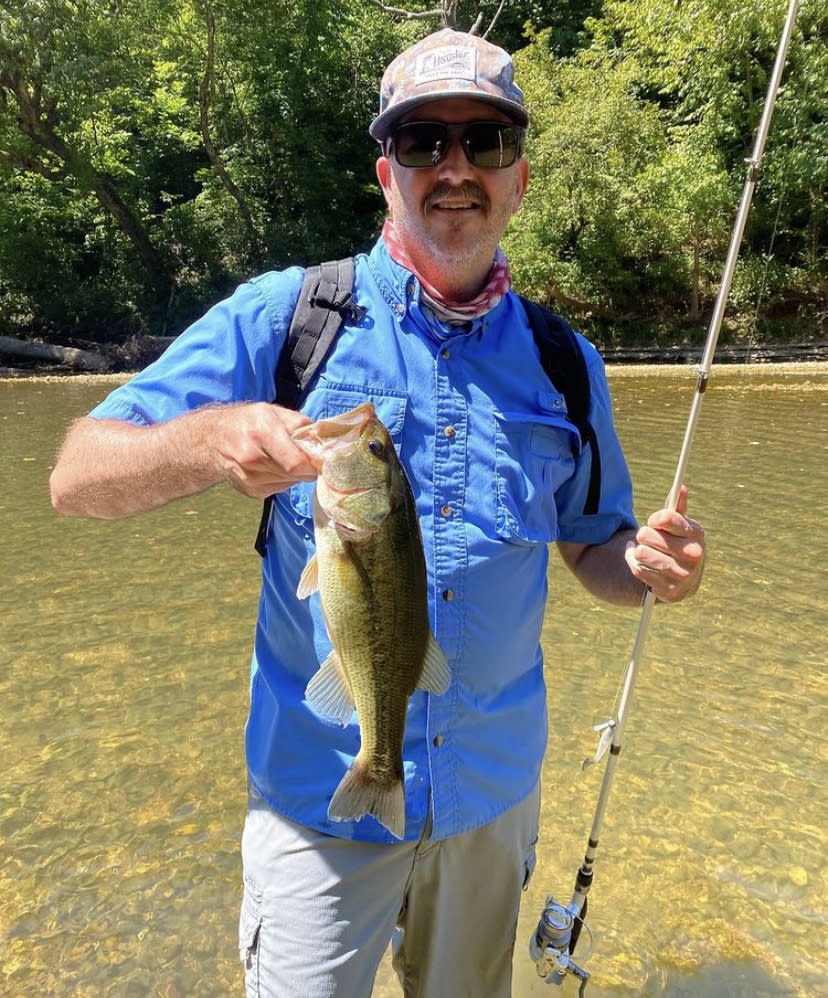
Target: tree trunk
36,123
695,298
82,360
205,91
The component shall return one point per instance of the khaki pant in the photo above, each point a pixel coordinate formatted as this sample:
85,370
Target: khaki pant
318,911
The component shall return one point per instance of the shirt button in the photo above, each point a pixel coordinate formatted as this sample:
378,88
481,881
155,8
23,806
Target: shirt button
438,741
449,431
400,309
448,595
446,511
445,353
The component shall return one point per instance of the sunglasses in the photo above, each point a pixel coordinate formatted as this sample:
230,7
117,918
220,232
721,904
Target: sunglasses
490,145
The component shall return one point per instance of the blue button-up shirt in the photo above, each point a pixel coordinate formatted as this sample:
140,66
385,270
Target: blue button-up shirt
484,438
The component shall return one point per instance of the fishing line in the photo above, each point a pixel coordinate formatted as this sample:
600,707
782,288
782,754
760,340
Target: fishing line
559,927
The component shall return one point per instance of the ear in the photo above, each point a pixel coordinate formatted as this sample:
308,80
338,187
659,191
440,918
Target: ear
521,183
385,176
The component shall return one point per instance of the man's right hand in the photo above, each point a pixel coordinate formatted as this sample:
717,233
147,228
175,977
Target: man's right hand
109,469
254,448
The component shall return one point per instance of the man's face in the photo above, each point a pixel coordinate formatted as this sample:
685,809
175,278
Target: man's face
452,215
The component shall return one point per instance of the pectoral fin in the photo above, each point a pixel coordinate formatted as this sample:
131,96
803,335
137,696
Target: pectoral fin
436,674
309,580
329,692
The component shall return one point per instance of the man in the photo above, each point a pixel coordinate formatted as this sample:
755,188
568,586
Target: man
445,353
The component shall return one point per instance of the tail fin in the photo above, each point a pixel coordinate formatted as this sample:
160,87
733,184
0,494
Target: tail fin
359,794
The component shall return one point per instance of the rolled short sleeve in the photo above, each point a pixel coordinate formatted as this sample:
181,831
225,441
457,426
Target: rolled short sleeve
228,355
615,507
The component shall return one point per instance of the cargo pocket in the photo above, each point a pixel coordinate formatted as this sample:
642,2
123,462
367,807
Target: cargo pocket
533,834
529,860
250,931
534,457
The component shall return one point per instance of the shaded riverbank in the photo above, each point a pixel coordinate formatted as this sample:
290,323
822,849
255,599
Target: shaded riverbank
627,368
662,356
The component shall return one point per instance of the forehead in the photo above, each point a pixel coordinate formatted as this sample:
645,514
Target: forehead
452,110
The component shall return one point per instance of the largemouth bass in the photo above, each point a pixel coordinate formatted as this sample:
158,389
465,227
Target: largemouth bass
370,571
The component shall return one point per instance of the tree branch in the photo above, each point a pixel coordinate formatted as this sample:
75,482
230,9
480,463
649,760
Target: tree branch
585,307
493,22
44,135
33,165
205,92
447,12
408,15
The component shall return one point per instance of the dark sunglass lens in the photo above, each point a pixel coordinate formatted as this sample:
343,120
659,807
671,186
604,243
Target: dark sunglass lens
490,145
420,143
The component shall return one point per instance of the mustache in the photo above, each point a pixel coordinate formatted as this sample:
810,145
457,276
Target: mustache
467,191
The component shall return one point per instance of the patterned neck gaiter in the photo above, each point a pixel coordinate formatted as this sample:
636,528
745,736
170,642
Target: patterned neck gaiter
446,309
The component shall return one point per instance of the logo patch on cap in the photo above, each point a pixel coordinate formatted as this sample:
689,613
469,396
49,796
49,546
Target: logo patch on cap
449,63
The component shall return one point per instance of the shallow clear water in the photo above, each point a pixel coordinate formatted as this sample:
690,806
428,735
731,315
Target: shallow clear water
123,685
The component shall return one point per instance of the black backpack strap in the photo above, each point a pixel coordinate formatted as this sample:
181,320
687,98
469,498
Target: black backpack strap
565,365
325,301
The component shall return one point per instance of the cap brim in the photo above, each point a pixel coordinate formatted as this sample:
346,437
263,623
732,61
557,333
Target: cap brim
381,125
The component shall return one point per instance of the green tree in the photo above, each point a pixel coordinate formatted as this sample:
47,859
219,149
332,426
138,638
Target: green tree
708,63
57,121
637,146
588,235
85,106
155,152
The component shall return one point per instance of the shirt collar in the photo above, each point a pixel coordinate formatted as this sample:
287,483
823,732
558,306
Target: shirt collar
400,290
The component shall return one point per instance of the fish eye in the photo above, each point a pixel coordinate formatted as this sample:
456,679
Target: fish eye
376,448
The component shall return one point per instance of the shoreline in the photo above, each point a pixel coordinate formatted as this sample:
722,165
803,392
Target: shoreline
740,356
615,369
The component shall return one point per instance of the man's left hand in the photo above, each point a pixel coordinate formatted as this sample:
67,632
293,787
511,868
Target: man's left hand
668,553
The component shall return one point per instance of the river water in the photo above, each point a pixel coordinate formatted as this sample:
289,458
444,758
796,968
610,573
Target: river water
123,682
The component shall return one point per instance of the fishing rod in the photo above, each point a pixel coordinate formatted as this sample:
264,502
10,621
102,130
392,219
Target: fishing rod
559,927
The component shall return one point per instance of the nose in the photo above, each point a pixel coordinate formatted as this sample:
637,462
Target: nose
456,163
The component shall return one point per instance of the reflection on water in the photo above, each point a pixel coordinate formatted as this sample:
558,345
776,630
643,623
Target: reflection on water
123,685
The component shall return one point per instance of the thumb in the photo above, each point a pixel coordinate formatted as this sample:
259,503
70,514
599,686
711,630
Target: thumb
681,504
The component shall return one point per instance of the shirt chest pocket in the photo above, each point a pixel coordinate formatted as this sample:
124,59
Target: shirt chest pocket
327,401
534,456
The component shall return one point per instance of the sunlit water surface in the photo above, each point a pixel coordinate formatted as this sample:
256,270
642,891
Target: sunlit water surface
123,685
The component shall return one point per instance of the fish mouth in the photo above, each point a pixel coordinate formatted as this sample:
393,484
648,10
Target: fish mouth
351,532
320,439
347,492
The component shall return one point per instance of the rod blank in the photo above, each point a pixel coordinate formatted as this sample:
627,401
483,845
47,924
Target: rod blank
584,879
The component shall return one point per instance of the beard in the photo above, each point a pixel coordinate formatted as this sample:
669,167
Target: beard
452,245
453,248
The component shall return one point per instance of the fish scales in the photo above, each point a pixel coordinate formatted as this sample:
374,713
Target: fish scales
370,571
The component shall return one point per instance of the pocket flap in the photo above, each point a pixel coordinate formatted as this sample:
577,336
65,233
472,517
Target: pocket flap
250,925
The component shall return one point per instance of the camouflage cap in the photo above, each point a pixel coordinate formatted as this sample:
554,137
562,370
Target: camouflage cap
448,64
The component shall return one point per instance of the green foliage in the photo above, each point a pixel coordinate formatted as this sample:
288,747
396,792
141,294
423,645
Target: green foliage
588,207
563,20
637,147
57,245
155,152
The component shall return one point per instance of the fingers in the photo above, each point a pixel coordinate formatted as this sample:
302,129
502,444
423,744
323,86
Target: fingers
255,450
668,552
289,461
